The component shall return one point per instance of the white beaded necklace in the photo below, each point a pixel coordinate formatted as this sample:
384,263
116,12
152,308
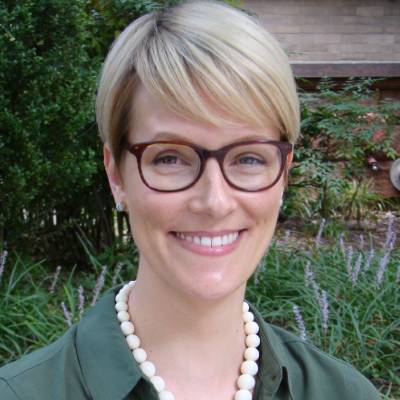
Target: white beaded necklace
249,367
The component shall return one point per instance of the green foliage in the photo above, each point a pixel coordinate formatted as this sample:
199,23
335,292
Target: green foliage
51,155
341,127
48,146
109,18
362,328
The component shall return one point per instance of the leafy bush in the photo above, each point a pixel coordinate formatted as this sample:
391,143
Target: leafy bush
341,127
48,149
51,155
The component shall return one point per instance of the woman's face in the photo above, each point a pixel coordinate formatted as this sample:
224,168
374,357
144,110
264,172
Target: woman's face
164,225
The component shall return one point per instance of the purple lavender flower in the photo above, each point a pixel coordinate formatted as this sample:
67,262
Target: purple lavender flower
387,248
300,322
317,240
349,261
81,302
324,306
355,271
99,284
368,262
67,314
310,280
118,268
309,275
390,233
3,258
55,279
341,244
382,268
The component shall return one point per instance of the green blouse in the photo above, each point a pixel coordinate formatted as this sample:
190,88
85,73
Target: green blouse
92,361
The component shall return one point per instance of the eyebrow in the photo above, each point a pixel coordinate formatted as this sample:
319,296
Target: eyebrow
174,136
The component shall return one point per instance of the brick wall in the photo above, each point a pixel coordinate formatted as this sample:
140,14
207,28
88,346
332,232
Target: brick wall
333,30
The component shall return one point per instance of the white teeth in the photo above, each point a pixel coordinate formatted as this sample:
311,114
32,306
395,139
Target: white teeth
216,241
206,241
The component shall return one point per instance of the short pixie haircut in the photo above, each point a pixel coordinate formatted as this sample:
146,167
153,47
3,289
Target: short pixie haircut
205,61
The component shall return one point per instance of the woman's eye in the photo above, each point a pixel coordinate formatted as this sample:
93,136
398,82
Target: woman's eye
166,160
169,159
251,160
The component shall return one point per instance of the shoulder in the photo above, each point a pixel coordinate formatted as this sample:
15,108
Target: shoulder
318,374
33,375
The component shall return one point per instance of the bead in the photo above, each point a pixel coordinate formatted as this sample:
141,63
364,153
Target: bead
123,316
251,328
133,341
121,306
127,328
243,395
125,290
139,355
249,367
251,353
165,395
248,316
148,368
158,383
252,341
246,382
121,296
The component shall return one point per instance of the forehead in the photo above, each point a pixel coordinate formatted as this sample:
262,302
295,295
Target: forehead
152,120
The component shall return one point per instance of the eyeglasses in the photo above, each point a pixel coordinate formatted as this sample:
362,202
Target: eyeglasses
249,166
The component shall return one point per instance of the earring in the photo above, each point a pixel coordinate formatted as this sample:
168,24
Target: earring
120,207
281,203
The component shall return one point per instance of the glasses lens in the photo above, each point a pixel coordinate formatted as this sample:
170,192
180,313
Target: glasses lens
253,167
167,166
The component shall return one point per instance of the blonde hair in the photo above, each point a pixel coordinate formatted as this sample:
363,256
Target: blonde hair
206,61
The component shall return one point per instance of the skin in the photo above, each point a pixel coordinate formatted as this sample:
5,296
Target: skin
186,306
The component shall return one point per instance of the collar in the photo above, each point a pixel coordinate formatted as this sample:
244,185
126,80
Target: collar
273,364
113,374
105,358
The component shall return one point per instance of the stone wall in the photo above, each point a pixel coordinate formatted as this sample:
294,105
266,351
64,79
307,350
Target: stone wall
333,30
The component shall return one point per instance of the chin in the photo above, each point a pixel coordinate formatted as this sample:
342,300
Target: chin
212,287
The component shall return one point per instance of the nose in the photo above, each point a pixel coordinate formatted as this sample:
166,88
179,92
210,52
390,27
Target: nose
212,195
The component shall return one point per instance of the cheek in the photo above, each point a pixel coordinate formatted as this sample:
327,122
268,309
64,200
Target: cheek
152,213
264,208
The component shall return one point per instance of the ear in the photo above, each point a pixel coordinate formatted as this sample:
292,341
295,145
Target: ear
113,175
289,160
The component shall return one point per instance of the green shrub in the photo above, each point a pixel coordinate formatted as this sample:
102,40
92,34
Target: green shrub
47,149
338,126
50,151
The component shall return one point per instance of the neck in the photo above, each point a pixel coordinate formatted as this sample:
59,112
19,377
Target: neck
177,331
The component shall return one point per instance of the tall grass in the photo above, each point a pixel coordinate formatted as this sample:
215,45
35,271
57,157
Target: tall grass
342,297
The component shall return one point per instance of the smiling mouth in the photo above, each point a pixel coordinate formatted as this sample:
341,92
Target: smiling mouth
214,241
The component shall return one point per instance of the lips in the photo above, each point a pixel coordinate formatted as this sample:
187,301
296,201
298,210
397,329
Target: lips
209,240
209,243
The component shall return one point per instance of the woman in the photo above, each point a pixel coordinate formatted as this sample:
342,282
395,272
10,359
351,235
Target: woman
198,112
